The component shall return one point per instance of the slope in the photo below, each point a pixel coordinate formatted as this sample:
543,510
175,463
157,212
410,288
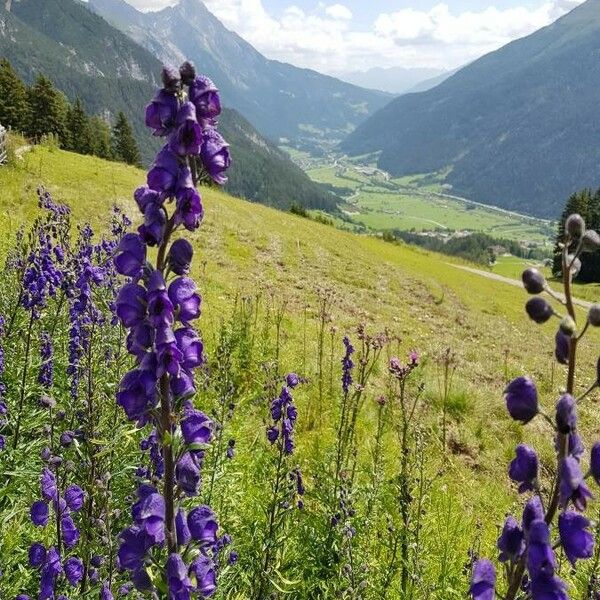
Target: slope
280,100
86,57
518,128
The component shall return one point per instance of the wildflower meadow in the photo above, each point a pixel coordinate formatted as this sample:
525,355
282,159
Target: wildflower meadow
142,457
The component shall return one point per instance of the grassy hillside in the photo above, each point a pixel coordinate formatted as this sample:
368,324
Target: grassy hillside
245,250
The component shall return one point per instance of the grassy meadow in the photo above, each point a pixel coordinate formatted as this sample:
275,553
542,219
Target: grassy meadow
280,267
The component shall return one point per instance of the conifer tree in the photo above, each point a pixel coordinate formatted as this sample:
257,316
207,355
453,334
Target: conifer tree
80,138
13,98
48,110
124,145
101,138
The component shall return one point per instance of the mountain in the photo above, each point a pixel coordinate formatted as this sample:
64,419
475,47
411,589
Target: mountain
432,82
283,102
395,80
87,57
517,128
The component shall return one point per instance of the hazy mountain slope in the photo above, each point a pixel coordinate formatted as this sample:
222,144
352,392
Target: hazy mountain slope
395,80
519,127
87,57
280,100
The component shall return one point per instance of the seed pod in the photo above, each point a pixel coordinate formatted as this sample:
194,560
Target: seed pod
539,310
594,315
575,264
533,281
590,241
575,226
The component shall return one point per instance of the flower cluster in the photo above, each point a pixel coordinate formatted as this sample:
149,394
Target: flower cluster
557,522
284,415
158,306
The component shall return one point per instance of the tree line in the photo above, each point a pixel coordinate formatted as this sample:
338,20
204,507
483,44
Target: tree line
586,203
41,110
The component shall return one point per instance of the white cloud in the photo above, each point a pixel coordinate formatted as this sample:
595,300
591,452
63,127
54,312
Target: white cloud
338,11
328,39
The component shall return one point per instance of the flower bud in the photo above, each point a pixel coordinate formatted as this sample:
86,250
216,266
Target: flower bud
533,281
594,315
595,462
47,401
590,241
522,399
170,79
567,325
187,72
539,310
562,347
575,226
566,416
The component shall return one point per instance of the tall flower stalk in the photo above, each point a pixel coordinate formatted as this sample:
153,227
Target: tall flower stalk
158,306
555,520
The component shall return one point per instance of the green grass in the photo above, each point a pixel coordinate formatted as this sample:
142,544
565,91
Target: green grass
245,249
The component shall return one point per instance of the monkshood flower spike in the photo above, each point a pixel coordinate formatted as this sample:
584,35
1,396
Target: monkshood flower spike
553,522
158,305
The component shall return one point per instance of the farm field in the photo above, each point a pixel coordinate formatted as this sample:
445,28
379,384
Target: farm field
280,263
414,203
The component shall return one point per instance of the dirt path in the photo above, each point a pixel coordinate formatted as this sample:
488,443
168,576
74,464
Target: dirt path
509,281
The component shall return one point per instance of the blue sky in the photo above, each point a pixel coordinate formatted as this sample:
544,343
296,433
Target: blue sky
337,36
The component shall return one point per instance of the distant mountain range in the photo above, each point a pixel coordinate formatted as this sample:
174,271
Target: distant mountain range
396,80
285,103
518,128
87,57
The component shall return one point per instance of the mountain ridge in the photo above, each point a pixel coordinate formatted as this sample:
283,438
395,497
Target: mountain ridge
293,104
515,128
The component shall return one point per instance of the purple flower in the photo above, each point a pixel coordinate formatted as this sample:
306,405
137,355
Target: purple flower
548,587
185,299
153,229
524,468
168,355
566,416
539,309
160,307
540,556
511,542
73,570
151,518
292,380
272,434
39,513
196,427
215,155
191,347
161,113
483,580
182,386
165,172
180,256
189,207
48,485
134,544
203,525
522,399
37,555
74,497
144,196
46,374
178,581
131,304
347,365
595,462
138,394
70,533
182,529
131,256
51,569
187,138
575,538
533,511
572,486
105,593
202,570
187,474
205,96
